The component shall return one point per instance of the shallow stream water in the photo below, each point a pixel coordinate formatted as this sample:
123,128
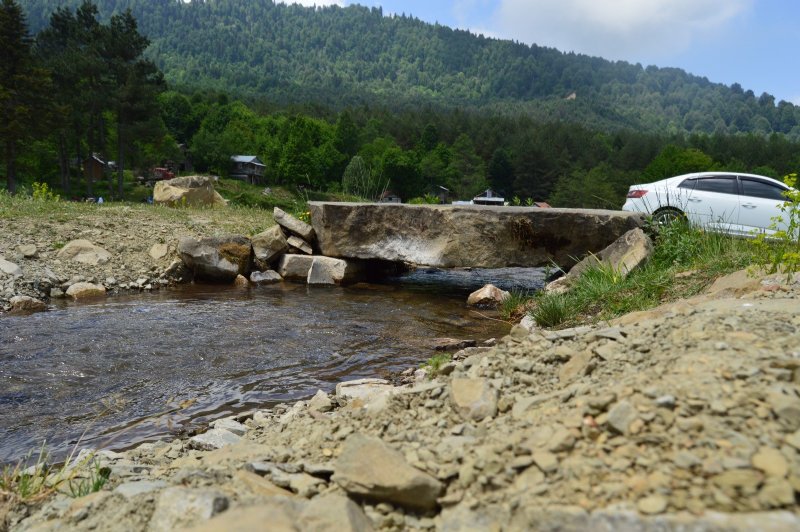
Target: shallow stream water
146,366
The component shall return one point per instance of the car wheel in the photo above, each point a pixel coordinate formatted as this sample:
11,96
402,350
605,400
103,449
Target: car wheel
668,216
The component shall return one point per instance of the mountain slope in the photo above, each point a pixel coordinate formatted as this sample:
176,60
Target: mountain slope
348,56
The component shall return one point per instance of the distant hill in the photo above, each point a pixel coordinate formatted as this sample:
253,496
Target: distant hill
355,55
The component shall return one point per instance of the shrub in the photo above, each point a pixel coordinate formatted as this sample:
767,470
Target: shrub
780,251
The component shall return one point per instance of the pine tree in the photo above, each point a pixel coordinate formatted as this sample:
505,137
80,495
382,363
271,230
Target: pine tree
23,89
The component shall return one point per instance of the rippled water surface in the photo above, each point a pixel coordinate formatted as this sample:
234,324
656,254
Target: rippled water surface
148,366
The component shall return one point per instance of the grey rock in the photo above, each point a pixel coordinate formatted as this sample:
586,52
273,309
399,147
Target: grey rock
85,290
28,251
295,267
27,304
213,439
194,190
293,225
276,514
330,271
158,251
473,399
297,243
10,269
333,513
132,489
451,236
179,507
268,246
371,469
621,416
265,277
488,296
229,424
320,402
218,258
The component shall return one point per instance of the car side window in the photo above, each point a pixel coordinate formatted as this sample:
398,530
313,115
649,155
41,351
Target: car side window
719,184
762,189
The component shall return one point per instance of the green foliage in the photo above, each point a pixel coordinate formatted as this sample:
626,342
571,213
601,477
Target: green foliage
602,293
42,192
361,181
94,481
515,305
427,199
779,249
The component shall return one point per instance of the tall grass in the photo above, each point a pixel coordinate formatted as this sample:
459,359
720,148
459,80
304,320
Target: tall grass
602,293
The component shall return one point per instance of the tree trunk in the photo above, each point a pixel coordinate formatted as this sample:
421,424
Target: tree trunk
11,170
120,160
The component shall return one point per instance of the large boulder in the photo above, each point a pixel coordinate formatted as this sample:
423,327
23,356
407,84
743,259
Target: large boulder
330,271
295,267
27,304
622,256
479,236
189,191
293,225
217,259
84,252
268,246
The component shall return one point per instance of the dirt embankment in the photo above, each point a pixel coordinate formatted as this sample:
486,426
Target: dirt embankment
683,417
141,239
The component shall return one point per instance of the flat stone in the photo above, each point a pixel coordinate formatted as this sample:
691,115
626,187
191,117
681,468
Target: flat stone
575,367
771,461
130,490
473,399
330,271
265,277
451,236
213,439
84,252
371,469
300,245
293,225
364,389
451,344
217,259
276,514
179,507
333,513
10,269
260,486
229,424
85,290
776,493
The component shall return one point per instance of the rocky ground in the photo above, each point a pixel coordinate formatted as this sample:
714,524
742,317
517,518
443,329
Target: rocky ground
683,417
141,241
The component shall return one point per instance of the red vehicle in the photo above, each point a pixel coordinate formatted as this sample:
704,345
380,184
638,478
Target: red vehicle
160,174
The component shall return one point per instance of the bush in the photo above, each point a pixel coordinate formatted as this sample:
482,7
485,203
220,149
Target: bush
780,251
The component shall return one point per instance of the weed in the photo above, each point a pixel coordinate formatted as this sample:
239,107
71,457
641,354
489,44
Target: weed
515,305
98,476
780,250
435,363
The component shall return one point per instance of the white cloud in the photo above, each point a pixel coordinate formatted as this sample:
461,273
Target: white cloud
615,29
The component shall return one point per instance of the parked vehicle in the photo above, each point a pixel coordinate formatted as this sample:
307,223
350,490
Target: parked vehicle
160,174
733,203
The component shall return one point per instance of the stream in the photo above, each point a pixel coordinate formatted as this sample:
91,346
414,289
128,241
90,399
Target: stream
139,367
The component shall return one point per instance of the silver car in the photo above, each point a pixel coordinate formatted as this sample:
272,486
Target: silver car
733,203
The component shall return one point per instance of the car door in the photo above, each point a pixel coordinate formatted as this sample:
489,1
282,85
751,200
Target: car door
713,201
759,202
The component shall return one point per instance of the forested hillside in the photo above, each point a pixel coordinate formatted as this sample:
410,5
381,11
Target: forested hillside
341,57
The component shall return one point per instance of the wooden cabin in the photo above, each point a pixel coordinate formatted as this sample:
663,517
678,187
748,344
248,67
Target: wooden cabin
248,168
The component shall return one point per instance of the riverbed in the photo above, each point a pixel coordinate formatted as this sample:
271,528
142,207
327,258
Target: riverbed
133,368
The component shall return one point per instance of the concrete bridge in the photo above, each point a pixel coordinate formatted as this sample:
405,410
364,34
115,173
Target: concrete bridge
449,236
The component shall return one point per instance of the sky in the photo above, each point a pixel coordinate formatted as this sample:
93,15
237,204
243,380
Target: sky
755,43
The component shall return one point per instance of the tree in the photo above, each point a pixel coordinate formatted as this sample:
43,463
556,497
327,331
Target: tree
23,88
674,160
501,172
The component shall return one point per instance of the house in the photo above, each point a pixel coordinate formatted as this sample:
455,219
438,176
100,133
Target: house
248,168
442,193
390,197
95,167
489,197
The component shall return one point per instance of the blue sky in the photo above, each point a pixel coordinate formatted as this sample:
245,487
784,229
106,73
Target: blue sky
755,43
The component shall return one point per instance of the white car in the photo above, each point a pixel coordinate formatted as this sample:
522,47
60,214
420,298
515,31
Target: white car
733,203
